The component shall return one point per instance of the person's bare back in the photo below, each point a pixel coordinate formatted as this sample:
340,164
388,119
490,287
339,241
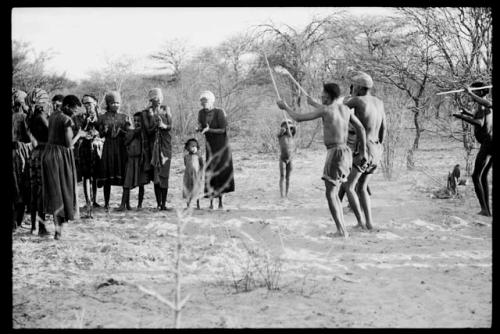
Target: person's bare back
336,118
370,111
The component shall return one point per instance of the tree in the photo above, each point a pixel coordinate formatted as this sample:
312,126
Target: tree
28,69
399,56
172,57
461,39
294,49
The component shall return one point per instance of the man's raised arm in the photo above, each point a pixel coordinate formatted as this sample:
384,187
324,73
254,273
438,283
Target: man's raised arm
298,117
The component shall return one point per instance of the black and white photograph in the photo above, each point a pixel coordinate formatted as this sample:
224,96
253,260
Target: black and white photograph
251,167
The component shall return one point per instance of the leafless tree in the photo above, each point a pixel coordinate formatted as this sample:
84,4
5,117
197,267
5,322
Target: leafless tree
461,40
173,55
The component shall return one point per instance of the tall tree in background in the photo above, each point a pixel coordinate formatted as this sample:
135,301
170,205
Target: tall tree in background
294,49
397,55
461,40
172,56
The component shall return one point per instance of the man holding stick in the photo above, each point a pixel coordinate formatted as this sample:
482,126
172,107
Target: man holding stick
483,131
336,117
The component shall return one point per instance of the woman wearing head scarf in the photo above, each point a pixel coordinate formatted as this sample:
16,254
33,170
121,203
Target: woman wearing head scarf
38,125
86,157
219,178
21,152
112,127
58,165
157,122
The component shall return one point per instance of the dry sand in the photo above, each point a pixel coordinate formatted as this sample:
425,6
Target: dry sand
427,263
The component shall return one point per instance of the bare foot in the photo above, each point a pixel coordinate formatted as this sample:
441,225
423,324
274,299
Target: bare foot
484,213
338,234
120,208
360,227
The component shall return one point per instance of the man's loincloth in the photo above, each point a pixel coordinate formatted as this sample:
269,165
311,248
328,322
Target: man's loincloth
374,152
338,164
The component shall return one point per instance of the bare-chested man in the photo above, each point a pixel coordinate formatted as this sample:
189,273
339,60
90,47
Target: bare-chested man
370,112
336,117
482,120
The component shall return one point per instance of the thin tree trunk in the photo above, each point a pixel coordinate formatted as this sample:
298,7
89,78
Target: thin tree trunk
417,130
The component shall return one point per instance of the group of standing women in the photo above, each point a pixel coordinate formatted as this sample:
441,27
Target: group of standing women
56,148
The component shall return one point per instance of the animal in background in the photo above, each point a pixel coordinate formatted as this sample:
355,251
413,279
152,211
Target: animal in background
453,180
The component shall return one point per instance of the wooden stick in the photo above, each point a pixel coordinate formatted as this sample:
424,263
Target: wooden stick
272,77
462,90
277,92
284,70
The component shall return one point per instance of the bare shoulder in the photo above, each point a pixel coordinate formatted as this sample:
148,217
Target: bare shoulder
345,110
323,109
379,101
353,102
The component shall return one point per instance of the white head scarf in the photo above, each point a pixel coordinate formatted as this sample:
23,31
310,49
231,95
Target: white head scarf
209,96
362,79
156,93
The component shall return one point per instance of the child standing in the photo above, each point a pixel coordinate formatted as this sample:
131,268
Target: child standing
135,173
287,145
193,174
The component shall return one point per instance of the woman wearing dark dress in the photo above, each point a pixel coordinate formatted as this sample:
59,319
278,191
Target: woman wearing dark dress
219,178
86,157
21,152
112,127
157,123
58,165
38,125
135,174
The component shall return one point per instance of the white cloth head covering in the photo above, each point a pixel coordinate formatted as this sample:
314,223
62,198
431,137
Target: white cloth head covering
155,93
362,79
209,96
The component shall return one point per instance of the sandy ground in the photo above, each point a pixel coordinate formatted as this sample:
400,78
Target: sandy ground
268,262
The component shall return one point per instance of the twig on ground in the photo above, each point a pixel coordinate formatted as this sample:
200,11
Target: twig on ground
345,279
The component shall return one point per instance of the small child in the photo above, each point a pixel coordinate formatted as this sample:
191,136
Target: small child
135,173
193,174
287,146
